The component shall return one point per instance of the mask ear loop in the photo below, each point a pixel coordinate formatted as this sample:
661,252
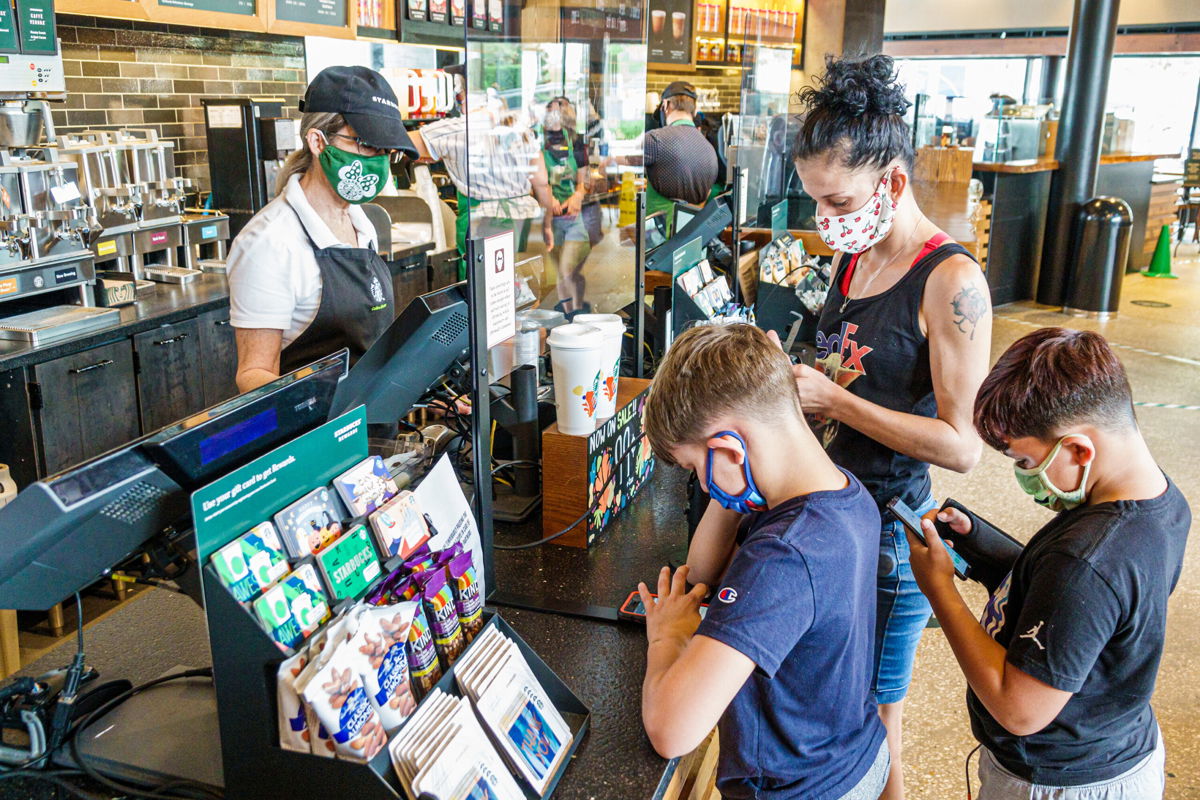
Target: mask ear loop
751,489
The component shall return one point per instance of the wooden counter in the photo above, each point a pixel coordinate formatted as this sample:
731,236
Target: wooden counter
1029,165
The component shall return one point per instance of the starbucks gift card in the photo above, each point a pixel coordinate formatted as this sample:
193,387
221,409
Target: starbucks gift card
251,562
366,486
399,526
349,565
310,524
293,608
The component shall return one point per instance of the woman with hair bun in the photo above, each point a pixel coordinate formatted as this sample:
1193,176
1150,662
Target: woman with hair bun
902,343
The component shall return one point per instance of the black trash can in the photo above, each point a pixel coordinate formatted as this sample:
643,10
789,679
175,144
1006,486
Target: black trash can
1101,236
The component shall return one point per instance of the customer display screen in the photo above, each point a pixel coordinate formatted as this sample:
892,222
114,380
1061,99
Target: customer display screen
236,436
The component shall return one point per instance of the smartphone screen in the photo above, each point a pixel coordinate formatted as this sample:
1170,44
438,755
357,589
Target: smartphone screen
912,522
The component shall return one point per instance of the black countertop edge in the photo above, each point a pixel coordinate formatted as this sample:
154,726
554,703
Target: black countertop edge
168,303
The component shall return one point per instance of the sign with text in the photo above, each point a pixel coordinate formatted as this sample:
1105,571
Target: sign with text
499,282
314,12
233,504
244,7
779,219
619,464
35,22
1191,168
670,37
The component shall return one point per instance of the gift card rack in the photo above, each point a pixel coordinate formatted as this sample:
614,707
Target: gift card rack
246,660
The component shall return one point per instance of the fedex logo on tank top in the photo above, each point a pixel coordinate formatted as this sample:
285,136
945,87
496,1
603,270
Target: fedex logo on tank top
842,359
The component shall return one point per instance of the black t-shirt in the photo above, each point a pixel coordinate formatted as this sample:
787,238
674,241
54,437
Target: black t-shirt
1085,610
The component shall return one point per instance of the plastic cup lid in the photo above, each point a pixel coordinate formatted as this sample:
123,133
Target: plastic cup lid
609,323
576,336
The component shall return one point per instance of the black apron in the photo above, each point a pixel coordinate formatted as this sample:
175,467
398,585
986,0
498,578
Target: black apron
355,310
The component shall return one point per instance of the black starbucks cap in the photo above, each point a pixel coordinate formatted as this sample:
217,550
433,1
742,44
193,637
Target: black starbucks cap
365,99
676,88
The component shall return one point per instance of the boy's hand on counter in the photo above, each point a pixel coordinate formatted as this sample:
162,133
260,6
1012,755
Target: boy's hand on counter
675,615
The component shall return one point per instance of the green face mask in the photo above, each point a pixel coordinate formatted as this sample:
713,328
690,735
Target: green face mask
355,178
1035,483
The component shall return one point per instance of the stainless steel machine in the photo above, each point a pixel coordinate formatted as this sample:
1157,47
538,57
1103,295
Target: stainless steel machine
115,197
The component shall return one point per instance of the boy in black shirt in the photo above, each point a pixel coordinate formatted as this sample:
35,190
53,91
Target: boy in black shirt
1062,666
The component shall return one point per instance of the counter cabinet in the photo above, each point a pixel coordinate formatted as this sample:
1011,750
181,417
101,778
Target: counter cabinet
67,409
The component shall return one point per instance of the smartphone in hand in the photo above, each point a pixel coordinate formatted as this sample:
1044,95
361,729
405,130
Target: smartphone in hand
909,519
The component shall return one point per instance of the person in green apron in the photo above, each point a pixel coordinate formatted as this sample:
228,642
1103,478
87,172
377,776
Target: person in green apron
565,157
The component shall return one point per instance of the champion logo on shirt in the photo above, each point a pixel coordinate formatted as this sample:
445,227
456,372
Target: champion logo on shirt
727,595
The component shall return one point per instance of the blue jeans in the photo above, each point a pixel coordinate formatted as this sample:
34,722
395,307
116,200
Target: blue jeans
901,612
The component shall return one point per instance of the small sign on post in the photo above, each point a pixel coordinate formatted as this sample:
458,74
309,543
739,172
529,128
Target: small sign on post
499,281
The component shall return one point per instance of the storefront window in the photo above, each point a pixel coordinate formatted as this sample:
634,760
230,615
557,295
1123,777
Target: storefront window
960,90
1157,95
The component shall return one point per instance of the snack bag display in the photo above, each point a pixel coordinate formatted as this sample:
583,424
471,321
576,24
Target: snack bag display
383,662
251,562
422,656
310,524
349,565
337,696
438,599
293,717
366,486
399,526
468,602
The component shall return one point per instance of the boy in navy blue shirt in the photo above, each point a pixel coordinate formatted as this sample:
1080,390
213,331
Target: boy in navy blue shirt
782,662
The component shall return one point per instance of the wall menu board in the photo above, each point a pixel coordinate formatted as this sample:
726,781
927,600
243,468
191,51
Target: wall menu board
313,12
9,42
670,32
35,22
245,7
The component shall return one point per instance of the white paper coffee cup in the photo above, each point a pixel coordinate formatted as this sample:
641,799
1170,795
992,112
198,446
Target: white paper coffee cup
575,355
613,328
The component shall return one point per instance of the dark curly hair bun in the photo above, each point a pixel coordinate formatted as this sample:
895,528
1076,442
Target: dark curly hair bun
857,105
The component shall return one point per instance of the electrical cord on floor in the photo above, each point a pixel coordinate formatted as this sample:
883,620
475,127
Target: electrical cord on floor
518,462
174,790
550,538
967,768
58,778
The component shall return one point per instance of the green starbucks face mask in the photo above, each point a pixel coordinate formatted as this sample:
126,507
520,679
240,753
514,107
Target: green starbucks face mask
355,178
1035,483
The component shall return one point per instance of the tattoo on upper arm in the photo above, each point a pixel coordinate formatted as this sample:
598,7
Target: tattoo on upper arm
969,307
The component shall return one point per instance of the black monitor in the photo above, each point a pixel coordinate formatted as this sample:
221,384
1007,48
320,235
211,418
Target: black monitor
706,225
656,231
419,347
63,532
684,214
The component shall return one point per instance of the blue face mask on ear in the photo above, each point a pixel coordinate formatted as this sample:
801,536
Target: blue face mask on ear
750,499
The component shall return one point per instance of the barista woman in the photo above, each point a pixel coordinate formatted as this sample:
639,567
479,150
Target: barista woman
304,277
903,340
566,157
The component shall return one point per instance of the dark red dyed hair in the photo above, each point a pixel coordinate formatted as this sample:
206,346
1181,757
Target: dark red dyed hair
1049,380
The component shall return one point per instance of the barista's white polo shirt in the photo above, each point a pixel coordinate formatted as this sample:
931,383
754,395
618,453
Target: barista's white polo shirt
274,281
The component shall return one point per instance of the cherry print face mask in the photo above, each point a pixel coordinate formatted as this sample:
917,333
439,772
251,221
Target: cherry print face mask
860,230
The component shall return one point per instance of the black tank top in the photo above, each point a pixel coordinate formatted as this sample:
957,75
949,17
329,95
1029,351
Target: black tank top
875,349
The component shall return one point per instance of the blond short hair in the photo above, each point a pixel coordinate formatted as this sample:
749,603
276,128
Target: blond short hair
713,371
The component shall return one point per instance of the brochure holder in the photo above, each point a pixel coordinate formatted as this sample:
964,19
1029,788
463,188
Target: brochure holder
246,660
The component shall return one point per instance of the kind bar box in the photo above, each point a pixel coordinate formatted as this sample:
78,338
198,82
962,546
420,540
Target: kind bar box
349,565
251,562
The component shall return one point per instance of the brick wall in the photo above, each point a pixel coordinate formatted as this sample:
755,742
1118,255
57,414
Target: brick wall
139,74
727,82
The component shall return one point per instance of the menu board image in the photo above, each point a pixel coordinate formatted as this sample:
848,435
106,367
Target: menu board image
314,12
670,32
35,22
9,43
246,8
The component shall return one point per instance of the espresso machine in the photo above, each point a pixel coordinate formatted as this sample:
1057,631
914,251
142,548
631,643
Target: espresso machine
107,187
47,225
150,163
